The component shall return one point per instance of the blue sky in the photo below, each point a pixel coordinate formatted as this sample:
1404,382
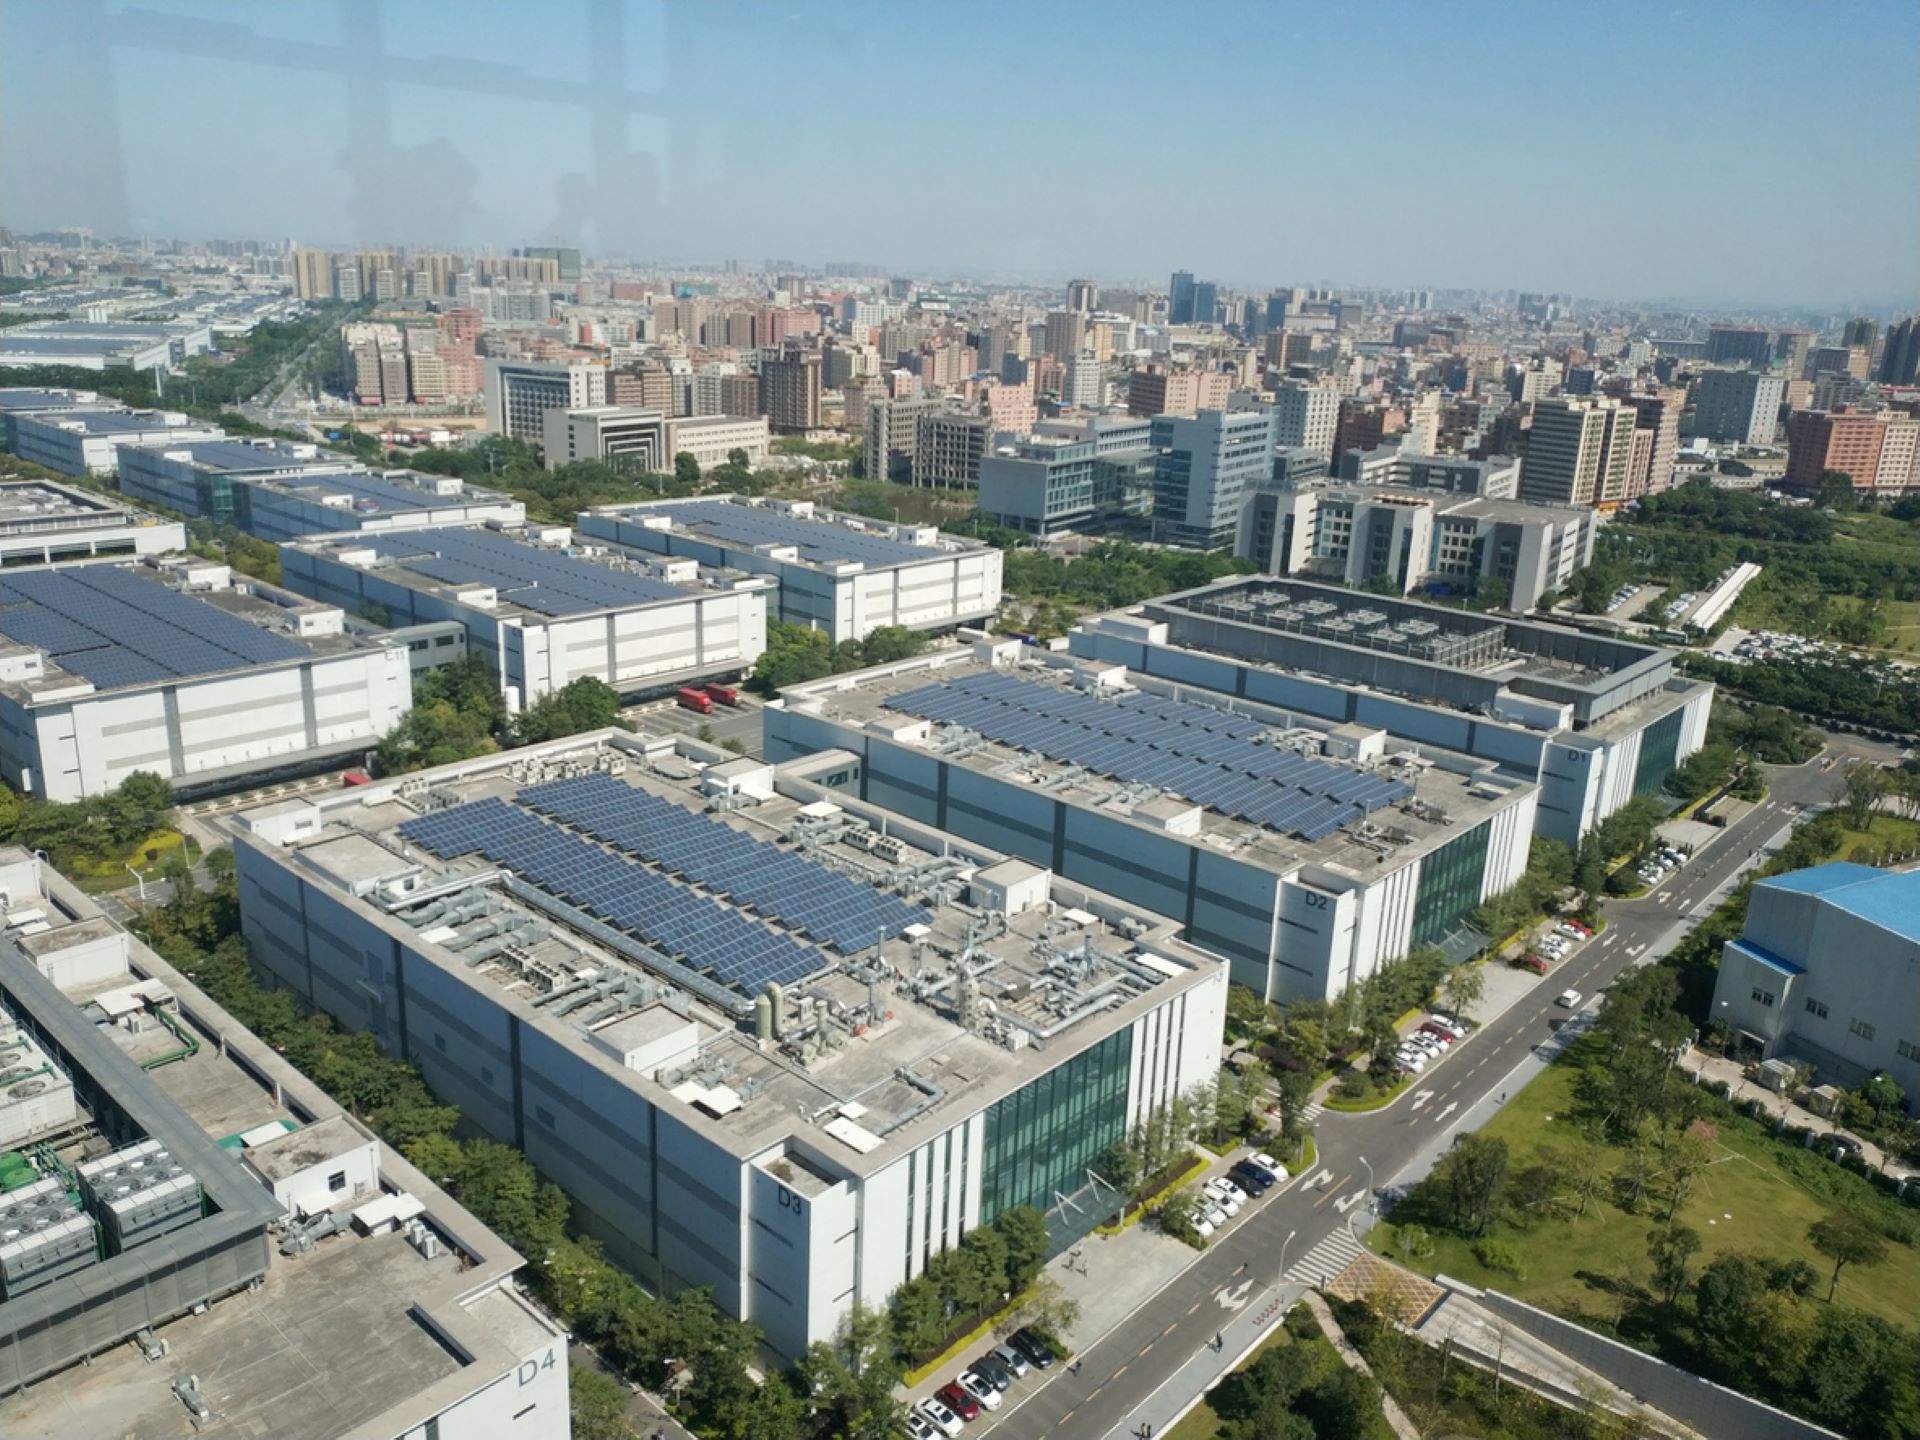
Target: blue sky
1744,151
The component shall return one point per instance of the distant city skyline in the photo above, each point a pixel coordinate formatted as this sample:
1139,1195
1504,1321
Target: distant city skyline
1628,155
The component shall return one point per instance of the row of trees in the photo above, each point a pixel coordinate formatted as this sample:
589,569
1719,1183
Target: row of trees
83,833
1841,687
796,654
961,1286
458,713
1113,573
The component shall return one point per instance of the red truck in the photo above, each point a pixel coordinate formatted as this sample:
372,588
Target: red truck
725,695
356,777
692,699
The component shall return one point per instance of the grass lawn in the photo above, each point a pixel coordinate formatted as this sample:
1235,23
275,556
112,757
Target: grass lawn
1746,1201
146,856
1903,622
1883,832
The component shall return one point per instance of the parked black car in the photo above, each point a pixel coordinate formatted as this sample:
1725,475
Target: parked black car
1250,1178
1039,1354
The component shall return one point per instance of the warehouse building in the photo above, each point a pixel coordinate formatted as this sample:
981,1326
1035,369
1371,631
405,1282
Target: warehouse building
201,1241
770,1038
542,611
88,442
33,400
103,345
173,669
277,490
1827,971
42,523
1592,720
1310,855
843,574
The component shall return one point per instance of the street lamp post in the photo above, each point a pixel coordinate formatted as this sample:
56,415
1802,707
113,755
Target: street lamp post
1372,1206
1280,1278
139,880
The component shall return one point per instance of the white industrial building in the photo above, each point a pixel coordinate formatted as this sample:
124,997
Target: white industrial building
739,1015
176,670
1593,720
88,442
279,490
650,440
42,523
843,574
1310,855
1827,971
712,439
33,400
210,1244
541,610
104,344
1414,538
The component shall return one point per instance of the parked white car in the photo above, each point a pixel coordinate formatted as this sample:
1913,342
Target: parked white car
940,1417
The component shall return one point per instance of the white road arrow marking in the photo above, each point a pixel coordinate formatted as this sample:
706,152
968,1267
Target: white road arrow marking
1420,1097
1325,1177
1451,1106
1347,1202
1235,1297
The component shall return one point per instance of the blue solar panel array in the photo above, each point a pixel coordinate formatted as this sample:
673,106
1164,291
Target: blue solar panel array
821,542
1204,754
828,906
704,934
547,582
113,628
382,494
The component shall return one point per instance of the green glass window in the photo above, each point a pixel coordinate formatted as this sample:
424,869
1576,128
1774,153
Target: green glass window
1449,885
1659,744
1041,1139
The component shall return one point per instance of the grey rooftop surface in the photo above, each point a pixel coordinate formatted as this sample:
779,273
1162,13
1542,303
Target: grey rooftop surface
824,538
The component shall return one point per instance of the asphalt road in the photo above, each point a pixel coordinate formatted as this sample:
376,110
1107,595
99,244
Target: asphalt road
1141,1354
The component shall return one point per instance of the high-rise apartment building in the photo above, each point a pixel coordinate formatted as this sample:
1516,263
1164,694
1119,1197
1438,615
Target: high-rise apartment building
1205,466
1848,360
1305,417
1206,302
646,383
1849,441
948,449
1738,345
1580,453
739,393
1900,358
1741,406
346,281
893,435
1167,390
313,274
1790,349
1083,295
1086,385
1657,421
790,390
1066,334
1860,331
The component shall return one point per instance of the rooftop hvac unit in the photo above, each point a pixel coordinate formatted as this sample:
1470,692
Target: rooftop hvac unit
31,1260
155,1210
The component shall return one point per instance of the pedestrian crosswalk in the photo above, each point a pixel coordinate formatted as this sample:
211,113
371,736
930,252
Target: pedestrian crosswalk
1326,1259
1312,1111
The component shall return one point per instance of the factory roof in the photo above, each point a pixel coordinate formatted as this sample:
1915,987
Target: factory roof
121,625
357,1328
1254,779
635,898
1887,898
813,537
30,505
18,398
120,422
235,456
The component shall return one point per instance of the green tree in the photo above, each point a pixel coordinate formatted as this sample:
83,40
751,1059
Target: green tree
599,1405
1024,1230
1119,1166
686,470
583,703
1671,1248
919,1316
854,1373
1342,1403
1471,1177
1846,1237
1462,988
1834,491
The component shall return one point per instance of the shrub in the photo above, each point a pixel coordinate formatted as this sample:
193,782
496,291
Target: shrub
1499,1256
1413,1241
1353,1084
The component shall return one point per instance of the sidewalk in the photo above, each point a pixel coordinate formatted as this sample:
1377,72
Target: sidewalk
1730,1075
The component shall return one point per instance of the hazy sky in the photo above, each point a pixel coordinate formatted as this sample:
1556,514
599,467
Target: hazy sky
1739,150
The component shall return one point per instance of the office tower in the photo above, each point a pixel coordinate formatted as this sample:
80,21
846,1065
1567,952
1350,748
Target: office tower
1306,417
893,435
1065,335
520,392
1899,468
1180,298
1848,360
1535,381
740,394
1204,468
1163,390
1083,295
566,262
1206,302
790,390
1849,441
1790,350
1742,406
1657,440
313,274
1086,384
1580,453
1860,331
948,448
1423,424
1900,360
1737,345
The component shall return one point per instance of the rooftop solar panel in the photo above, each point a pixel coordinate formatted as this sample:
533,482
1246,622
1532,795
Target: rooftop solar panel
547,582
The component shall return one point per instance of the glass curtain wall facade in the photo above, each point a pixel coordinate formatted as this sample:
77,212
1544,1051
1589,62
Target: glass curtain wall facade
1041,1139
1658,746
1449,885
